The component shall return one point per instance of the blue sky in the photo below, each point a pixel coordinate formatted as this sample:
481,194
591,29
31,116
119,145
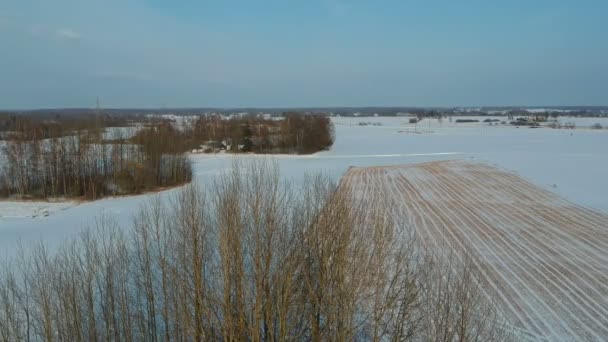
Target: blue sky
229,53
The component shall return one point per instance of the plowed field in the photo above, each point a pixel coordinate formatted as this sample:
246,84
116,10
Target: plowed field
543,260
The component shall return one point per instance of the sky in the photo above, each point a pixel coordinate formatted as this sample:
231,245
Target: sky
271,53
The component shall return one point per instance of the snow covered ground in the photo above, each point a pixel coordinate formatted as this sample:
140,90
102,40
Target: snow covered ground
23,209
583,122
571,163
540,258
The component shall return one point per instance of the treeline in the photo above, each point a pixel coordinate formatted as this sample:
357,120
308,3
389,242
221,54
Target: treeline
84,164
294,133
78,158
48,126
248,259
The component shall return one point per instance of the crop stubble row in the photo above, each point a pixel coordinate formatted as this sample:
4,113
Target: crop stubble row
542,259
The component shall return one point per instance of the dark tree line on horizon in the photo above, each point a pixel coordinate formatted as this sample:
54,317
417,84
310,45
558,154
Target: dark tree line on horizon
58,125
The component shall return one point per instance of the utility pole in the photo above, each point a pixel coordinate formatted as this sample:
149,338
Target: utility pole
97,118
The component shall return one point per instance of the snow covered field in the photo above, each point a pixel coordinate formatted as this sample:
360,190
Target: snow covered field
542,259
570,163
23,209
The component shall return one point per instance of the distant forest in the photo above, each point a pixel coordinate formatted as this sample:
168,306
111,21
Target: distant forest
103,155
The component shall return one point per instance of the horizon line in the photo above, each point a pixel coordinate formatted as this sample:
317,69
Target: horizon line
299,107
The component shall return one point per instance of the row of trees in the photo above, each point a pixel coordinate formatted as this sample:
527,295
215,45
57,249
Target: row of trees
83,164
248,259
49,158
48,126
294,133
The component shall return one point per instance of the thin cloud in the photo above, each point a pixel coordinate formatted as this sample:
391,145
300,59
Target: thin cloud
122,76
67,34
46,32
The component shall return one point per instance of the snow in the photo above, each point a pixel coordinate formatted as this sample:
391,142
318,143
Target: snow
121,132
34,210
547,110
570,163
583,122
541,258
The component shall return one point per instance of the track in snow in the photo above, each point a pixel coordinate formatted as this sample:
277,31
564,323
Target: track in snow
543,259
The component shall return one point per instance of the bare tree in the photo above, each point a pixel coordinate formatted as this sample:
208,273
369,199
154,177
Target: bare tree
248,258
